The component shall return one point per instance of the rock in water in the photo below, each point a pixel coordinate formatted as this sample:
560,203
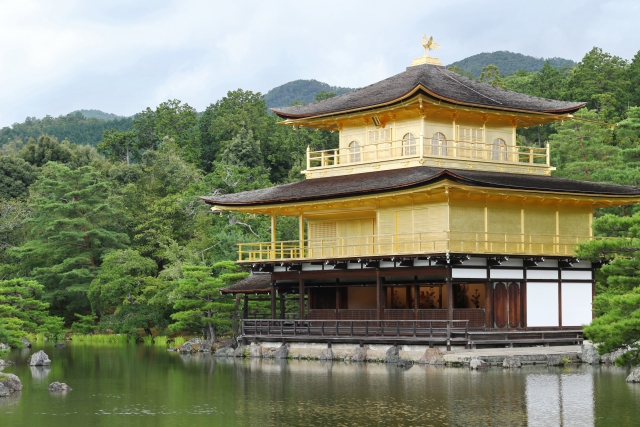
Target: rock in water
432,357
9,384
282,352
404,363
39,359
634,376
511,362
56,386
393,355
224,352
60,345
360,355
590,354
205,346
4,363
187,348
26,343
478,364
554,361
4,346
240,351
326,354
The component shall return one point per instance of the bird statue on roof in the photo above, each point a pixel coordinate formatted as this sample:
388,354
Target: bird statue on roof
429,44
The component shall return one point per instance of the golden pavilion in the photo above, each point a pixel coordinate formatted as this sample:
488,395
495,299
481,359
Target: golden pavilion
428,223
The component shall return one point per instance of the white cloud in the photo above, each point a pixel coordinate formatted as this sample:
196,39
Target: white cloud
122,56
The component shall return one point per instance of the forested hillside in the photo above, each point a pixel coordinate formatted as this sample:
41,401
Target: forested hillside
97,114
74,127
114,237
507,62
302,91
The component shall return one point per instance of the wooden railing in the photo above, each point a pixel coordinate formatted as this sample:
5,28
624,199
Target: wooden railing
421,147
411,244
443,330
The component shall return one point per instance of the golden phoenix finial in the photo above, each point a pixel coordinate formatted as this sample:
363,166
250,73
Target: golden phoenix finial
429,44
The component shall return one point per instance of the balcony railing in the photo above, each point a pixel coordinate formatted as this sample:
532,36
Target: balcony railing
411,244
421,147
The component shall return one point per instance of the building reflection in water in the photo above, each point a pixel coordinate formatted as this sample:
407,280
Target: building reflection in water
560,400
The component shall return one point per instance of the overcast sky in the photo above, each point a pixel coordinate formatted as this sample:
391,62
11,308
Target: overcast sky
121,56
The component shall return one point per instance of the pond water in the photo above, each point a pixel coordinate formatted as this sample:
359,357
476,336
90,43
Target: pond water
137,385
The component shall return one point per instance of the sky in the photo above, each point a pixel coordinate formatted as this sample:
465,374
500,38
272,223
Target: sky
122,56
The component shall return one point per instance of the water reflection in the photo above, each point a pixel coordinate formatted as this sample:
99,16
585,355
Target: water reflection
168,389
12,399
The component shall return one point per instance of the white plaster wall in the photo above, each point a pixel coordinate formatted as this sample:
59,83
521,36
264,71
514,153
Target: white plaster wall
475,261
513,262
542,274
470,273
576,304
576,275
506,274
542,304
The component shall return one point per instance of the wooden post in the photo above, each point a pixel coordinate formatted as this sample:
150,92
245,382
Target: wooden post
282,306
416,300
301,297
449,295
338,298
301,234
273,300
308,157
379,297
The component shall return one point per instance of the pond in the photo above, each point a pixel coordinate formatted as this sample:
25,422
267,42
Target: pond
138,385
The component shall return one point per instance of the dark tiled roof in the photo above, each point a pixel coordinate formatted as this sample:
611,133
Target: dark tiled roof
398,179
437,81
256,283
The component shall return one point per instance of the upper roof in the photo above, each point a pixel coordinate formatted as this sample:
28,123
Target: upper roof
399,179
435,81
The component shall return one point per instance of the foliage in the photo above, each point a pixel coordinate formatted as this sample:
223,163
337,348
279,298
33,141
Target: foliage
74,127
199,305
22,310
72,227
491,75
16,176
303,91
85,325
507,62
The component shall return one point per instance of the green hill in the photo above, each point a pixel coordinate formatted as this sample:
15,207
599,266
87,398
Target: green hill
75,127
303,91
97,114
507,62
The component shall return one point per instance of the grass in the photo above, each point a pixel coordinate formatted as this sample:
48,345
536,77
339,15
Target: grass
178,341
101,338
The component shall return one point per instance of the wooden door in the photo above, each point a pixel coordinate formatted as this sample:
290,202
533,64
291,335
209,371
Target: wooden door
506,305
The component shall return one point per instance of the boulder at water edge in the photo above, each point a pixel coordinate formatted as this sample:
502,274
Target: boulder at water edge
511,362
4,363
224,352
478,364
360,354
634,376
326,354
56,386
26,343
39,359
590,354
393,355
555,361
4,346
9,384
196,344
282,352
188,348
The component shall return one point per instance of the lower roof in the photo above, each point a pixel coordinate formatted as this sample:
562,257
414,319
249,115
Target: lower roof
256,283
400,179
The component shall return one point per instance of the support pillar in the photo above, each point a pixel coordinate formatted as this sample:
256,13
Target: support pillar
449,295
273,236
416,301
488,305
282,306
379,299
273,300
301,297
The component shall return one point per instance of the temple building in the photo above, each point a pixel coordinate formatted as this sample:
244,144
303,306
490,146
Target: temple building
427,217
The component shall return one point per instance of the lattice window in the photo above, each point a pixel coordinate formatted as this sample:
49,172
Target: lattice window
355,154
439,144
468,139
380,135
499,150
323,230
409,147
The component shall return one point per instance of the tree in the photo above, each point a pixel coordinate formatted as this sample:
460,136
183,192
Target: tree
72,227
21,310
16,176
120,146
243,150
47,149
198,302
597,75
633,77
123,279
170,119
491,75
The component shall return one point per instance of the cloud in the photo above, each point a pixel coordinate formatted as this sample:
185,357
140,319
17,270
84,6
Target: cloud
122,56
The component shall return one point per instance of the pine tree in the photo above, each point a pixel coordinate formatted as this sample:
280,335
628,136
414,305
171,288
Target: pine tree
198,302
72,227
